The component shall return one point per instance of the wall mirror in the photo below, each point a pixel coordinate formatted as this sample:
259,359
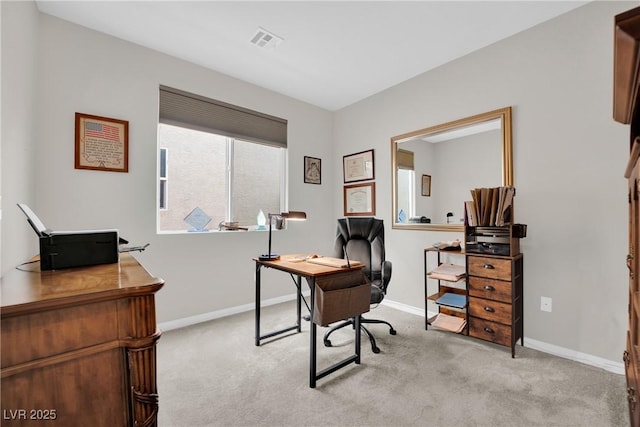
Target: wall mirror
435,168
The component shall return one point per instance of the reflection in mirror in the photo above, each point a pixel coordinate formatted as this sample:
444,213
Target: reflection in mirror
435,169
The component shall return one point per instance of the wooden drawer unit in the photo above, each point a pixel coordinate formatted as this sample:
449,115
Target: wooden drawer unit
79,346
626,99
495,298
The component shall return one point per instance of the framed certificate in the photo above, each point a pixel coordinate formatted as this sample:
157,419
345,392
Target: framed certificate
360,199
358,166
101,143
426,185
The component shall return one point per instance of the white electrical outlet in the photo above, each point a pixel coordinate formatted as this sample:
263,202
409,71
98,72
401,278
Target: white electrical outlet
545,304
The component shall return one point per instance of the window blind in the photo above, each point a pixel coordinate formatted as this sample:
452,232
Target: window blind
197,112
405,159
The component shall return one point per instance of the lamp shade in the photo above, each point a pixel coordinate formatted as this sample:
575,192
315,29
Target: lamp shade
294,215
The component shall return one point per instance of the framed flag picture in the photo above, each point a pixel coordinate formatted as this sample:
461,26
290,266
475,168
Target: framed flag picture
102,143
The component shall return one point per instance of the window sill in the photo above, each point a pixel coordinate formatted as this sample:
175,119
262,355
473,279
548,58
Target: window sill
250,228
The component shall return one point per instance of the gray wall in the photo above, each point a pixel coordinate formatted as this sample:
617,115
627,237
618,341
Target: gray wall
569,158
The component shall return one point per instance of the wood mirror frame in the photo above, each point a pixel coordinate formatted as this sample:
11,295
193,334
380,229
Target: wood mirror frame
502,115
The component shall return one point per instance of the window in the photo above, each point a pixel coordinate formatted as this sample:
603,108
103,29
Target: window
406,195
406,185
163,179
222,161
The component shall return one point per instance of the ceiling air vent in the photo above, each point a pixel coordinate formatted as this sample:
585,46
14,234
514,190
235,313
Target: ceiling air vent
265,39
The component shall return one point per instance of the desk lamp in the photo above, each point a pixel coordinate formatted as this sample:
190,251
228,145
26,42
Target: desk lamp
449,215
292,215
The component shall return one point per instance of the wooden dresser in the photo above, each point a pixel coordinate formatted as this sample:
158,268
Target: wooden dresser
78,346
626,110
495,298
492,287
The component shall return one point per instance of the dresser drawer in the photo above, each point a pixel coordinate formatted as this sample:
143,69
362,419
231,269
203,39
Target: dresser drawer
490,310
493,268
490,331
490,289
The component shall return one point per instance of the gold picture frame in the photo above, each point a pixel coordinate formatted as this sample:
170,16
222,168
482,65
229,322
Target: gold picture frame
101,143
360,199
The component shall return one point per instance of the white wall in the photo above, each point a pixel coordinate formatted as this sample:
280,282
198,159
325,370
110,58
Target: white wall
80,70
451,182
19,71
569,158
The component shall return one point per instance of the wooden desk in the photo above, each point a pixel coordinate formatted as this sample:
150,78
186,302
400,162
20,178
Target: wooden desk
78,346
312,272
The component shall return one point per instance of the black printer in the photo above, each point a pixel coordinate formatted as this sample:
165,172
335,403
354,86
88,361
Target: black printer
65,249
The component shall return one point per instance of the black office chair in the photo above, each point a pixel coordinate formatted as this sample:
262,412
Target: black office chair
363,240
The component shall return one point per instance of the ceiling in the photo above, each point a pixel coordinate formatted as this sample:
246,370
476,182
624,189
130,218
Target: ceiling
334,53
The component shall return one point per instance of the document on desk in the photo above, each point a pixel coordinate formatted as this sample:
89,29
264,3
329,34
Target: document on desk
333,262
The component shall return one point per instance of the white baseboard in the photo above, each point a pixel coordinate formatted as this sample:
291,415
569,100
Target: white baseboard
587,359
205,317
403,307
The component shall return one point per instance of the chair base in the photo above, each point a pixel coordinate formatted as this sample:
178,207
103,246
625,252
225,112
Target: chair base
351,322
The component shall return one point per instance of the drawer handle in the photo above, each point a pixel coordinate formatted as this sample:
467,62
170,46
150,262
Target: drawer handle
488,266
632,398
489,309
627,358
489,288
489,330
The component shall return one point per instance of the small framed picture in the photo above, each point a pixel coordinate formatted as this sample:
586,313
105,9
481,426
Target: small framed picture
358,166
312,170
426,185
102,143
360,199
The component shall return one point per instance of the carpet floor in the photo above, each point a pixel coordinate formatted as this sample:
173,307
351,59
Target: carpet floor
212,374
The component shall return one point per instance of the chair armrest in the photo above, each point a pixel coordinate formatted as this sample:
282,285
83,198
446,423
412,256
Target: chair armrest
386,274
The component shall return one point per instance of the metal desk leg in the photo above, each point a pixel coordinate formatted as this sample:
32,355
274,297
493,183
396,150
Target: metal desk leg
296,327
313,374
299,302
358,336
257,279
312,334
355,358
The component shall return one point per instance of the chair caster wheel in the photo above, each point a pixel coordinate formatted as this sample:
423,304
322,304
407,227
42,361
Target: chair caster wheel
392,331
327,343
375,350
